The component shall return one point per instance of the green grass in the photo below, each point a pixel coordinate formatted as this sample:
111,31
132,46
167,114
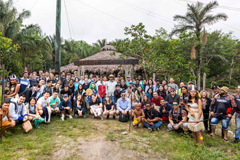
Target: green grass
43,143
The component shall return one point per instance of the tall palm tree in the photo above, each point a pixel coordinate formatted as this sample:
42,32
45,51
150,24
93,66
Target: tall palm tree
196,18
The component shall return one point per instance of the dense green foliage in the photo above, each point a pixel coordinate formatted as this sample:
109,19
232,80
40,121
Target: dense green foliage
191,50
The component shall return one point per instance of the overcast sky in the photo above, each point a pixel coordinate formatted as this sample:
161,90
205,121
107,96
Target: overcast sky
88,23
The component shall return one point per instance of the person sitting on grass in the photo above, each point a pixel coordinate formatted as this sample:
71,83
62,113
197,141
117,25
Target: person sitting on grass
95,107
139,116
18,111
65,107
156,100
80,106
67,91
151,118
109,108
5,114
123,105
54,103
43,102
164,110
177,118
32,112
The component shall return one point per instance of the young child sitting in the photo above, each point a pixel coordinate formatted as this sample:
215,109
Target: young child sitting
139,116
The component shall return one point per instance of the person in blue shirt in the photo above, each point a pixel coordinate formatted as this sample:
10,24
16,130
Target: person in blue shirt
25,83
128,80
150,93
65,107
123,104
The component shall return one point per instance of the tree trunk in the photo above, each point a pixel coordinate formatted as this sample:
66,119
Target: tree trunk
204,81
3,81
145,74
198,75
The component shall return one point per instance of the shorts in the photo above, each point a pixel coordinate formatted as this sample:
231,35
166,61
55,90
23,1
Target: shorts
184,125
56,109
136,121
225,122
5,123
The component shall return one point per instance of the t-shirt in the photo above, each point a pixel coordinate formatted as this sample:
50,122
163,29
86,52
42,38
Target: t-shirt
150,114
157,101
109,107
97,102
52,100
173,86
43,102
170,99
69,92
24,84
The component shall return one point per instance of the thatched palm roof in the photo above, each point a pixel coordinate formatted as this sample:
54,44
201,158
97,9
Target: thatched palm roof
105,54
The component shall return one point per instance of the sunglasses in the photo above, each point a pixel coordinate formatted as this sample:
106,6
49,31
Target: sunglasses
175,104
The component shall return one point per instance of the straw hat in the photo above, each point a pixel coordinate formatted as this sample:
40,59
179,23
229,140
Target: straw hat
224,88
111,76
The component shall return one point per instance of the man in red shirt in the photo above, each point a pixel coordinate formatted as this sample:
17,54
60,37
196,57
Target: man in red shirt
156,101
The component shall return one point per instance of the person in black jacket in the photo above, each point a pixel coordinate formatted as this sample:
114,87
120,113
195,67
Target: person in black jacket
117,93
80,106
31,92
206,102
34,80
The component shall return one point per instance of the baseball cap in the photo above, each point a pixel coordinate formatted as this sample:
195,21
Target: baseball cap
65,95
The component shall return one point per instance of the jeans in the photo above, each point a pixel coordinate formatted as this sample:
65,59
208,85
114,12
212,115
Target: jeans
156,125
225,122
102,99
112,99
237,120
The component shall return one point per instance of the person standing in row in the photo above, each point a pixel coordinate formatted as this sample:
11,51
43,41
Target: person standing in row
110,88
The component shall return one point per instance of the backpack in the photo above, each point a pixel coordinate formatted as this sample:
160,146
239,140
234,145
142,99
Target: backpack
123,118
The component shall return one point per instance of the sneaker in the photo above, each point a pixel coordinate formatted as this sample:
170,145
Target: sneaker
150,129
84,116
70,116
62,117
101,118
114,117
107,116
235,141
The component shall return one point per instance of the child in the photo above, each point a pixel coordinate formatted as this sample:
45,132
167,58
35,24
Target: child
4,112
139,116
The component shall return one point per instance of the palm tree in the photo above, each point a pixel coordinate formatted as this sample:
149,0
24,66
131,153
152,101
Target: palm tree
102,42
196,18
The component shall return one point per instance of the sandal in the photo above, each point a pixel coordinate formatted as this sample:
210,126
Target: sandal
225,140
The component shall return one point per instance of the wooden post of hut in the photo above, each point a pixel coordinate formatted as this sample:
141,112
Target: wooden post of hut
132,74
79,71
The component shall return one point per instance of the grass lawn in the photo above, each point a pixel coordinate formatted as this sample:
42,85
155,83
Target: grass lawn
96,139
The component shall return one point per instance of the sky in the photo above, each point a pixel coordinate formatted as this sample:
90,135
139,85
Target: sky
91,20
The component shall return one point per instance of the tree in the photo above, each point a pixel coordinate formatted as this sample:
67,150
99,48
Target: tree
102,42
196,18
7,51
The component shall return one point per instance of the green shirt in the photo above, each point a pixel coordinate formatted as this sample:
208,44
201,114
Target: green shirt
52,100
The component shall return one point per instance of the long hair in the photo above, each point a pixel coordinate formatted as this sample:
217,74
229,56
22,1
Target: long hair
207,94
80,90
105,101
148,100
138,91
81,99
190,97
131,97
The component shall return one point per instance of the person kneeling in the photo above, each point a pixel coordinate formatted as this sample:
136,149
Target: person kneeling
109,107
32,112
65,107
139,116
178,118
80,106
95,107
123,105
4,113
151,118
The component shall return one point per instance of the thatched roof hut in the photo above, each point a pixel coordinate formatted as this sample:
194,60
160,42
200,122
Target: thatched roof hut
105,54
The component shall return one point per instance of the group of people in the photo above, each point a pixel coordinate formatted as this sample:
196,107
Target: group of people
147,102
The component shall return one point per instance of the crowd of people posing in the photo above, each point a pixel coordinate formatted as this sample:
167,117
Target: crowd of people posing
146,102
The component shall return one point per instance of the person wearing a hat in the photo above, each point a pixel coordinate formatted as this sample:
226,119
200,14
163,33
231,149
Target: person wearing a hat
65,107
110,87
128,80
12,91
222,109
25,83
194,107
156,86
